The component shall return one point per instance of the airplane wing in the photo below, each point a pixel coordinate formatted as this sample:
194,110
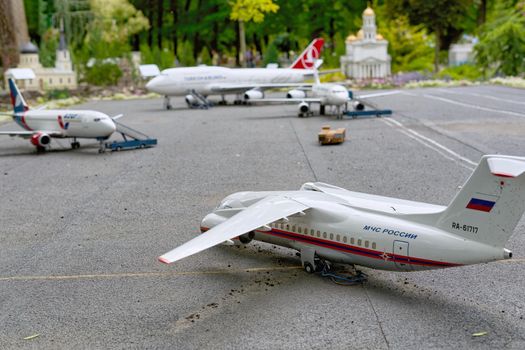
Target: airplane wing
379,94
267,210
17,133
239,88
118,116
27,134
287,100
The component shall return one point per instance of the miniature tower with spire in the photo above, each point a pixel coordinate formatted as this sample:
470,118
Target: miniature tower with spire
367,53
63,59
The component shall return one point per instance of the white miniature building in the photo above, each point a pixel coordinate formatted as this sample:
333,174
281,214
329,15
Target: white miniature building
459,54
61,76
366,54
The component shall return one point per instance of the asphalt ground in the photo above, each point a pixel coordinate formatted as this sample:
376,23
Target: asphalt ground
81,231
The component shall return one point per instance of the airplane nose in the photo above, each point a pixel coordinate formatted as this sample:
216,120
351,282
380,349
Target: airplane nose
109,126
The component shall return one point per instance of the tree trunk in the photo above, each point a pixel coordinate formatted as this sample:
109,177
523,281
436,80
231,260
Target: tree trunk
482,12
160,17
149,14
437,44
173,8
8,44
242,40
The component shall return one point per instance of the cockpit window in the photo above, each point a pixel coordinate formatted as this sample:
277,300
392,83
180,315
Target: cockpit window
96,119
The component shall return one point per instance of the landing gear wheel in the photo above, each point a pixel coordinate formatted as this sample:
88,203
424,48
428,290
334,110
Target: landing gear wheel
75,145
309,268
167,103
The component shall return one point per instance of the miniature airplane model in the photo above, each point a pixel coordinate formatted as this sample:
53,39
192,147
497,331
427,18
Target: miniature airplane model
196,83
41,125
325,94
322,221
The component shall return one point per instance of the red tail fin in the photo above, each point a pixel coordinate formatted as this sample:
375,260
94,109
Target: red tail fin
309,55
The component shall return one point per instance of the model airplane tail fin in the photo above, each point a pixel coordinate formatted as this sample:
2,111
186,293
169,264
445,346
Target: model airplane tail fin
19,104
312,53
490,204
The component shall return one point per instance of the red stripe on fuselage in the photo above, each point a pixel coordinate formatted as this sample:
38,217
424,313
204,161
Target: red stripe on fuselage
369,253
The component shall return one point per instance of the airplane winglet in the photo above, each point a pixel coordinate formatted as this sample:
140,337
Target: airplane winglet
164,260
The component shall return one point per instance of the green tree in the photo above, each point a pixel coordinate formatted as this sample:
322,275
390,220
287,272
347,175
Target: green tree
409,46
117,21
271,55
48,47
246,11
501,48
75,15
205,57
185,55
444,18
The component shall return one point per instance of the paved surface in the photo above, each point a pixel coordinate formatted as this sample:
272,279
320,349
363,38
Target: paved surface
81,231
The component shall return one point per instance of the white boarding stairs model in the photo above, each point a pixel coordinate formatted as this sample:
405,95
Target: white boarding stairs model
331,223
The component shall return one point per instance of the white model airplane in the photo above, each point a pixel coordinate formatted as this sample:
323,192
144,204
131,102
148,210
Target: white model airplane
196,83
41,125
324,94
326,222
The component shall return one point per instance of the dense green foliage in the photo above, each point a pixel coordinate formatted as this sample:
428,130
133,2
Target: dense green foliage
103,74
501,49
464,71
188,32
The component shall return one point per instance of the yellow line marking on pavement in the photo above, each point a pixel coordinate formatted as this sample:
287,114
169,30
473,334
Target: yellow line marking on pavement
512,261
143,274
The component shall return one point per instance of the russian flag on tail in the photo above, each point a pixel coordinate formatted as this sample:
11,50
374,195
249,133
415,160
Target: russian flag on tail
480,204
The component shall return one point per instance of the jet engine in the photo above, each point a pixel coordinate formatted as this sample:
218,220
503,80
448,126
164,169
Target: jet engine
296,94
253,95
303,107
247,237
358,106
40,139
191,101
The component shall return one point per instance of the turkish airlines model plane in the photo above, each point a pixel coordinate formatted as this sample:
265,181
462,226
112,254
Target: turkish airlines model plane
196,83
322,221
42,125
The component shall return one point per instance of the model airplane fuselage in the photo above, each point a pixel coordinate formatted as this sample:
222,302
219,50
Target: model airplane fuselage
213,80
324,94
331,223
342,229
41,125
197,83
68,123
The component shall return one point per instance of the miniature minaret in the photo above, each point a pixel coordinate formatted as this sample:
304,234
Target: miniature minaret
63,59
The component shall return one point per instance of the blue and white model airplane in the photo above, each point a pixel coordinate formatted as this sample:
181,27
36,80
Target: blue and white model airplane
325,222
41,125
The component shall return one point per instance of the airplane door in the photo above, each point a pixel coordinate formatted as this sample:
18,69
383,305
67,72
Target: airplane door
401,256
